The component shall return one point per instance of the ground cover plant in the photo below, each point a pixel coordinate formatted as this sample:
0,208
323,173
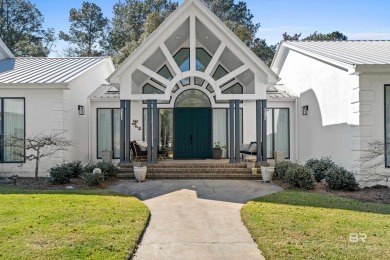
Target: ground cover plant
82,224
304,225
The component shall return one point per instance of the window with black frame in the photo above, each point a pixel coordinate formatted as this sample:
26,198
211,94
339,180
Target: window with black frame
278,131
108,131
387,125
12,124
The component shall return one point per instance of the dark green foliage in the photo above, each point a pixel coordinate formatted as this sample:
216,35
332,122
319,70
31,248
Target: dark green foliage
21,29
108,169
76,168
93,179
299,176
281,169
60,174
88,31
338,178
333,36
320,166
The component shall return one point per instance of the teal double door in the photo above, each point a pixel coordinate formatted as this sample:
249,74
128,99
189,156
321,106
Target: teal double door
192,133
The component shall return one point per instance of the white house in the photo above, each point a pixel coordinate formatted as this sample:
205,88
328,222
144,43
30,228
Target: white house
343,91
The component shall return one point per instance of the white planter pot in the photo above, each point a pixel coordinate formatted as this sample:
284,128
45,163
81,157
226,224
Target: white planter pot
267,173
140,173
254,171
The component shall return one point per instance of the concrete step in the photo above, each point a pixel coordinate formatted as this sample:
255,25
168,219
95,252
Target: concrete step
216,176
192,170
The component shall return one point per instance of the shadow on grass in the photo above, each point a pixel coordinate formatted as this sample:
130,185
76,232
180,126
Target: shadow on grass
329,201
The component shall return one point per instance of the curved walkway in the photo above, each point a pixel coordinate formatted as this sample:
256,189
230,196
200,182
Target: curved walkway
196,219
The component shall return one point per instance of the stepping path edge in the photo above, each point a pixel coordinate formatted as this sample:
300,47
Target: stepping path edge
139,240
195,219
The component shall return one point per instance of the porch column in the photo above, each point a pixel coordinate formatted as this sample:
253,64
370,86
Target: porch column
231,126
155,131
127,131
264,129
149,137
122,131
259,130
237,131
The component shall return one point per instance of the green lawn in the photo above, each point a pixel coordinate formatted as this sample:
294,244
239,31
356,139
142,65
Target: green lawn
91,224
302,225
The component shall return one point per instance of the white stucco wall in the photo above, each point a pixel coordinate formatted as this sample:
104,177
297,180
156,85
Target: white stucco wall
370,109
44,114
328,128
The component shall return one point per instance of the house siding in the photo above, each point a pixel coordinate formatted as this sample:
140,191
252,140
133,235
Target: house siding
328,91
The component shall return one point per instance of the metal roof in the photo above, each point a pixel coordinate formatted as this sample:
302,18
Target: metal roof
278,91
105,91
349,52
45,70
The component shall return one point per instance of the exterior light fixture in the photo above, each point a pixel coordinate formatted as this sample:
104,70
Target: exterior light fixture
305,110
81,110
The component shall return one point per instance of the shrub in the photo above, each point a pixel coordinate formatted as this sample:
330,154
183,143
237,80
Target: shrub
281,169
76,168
299,176
338,178
320,166
108,169
92,179
60,174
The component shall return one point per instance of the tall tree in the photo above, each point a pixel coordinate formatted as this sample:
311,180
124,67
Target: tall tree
88,31
21,29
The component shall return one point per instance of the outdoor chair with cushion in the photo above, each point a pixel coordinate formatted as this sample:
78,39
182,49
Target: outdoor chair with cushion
248,151
139,150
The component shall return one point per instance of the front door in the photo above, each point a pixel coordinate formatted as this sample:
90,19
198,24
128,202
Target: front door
192,133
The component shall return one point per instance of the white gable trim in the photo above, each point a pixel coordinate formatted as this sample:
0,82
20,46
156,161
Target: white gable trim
4,51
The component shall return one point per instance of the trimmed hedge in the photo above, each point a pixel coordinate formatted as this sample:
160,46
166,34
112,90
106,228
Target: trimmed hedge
338,178
92,179
108,169
299,176
281,169
60,174
320,166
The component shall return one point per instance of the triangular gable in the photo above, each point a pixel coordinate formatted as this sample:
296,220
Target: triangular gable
196,13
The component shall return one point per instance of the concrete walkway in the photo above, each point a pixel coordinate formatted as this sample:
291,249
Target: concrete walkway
196,219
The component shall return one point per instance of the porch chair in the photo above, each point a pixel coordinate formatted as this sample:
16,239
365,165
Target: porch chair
248,151
141,152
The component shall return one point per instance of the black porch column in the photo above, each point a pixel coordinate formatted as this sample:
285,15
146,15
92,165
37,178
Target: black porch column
155,132
259,127
122,131
149,137
264,129
127,131
237,133
231,132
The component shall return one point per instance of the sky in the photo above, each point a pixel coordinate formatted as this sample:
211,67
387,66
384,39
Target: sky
358,19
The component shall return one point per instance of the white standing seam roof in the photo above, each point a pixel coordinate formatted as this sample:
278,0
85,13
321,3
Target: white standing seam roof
349,52
45,70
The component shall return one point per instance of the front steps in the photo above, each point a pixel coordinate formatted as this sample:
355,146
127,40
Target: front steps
192,170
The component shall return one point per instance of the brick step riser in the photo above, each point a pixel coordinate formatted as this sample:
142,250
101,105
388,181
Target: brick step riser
216,170
196,176
193,166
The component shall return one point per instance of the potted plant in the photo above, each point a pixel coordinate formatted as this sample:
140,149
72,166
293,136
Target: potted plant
217,151
267,173
139,170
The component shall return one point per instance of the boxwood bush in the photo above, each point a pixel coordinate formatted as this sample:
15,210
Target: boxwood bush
281,169
76,168
92,179
320,166
338,178
299,176
60,174
108,169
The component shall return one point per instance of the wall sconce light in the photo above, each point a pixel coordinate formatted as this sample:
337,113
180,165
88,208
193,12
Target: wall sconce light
135,122
305,110
81,110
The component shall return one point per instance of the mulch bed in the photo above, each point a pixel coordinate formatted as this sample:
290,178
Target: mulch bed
378,194
42,184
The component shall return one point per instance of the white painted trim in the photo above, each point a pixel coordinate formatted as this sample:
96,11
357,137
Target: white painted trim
215,59
153,74
192,42
232,74
5,51
170,59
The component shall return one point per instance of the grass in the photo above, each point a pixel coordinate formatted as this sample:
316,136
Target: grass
302,225
93,224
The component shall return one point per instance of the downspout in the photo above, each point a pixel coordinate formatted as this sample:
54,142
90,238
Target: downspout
89,132
296,131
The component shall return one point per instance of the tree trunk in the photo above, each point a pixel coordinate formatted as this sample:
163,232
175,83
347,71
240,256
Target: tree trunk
37,165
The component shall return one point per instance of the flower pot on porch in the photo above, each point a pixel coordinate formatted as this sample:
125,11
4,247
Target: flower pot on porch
267,173
140,173
217,153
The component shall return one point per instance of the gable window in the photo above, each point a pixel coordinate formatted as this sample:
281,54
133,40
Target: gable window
108,131
12,123
182,58
278,131
387,126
